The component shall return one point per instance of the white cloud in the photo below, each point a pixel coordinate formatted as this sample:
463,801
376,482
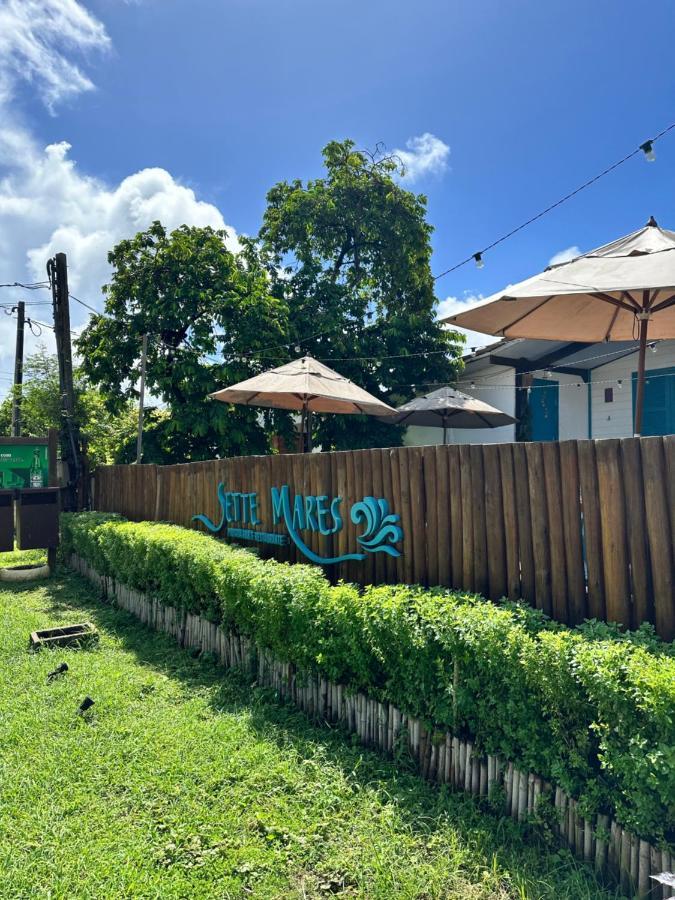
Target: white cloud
425,155
33,36
47,204
564,256
452,305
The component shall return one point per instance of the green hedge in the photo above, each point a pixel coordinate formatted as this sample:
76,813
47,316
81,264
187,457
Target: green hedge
590,708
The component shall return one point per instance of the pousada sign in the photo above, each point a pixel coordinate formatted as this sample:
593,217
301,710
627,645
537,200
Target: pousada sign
243,514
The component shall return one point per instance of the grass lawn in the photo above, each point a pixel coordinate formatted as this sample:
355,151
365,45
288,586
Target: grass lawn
23,558
188,782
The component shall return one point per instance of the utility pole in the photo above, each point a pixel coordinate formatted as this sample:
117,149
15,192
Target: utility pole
18,368
57,271
139,442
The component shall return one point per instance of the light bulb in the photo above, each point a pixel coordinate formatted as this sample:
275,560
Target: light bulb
648,150
473,384
479,260
652,347
620,383
297,348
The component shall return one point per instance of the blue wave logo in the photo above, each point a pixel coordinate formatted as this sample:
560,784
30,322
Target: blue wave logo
382,530
212,526
381,533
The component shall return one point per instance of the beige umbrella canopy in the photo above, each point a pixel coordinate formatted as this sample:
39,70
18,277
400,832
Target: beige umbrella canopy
449,408
307,385
622,291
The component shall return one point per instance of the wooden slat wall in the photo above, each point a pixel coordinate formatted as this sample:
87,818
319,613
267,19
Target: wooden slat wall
579,529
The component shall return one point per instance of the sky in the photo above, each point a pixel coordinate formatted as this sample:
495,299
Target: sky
116,113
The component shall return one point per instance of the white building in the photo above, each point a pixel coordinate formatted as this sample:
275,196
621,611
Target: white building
560,391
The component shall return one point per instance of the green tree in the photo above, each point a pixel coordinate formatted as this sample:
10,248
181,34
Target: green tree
103,434
206,310
350,255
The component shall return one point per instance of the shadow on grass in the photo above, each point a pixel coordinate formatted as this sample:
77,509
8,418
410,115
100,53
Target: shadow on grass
424,808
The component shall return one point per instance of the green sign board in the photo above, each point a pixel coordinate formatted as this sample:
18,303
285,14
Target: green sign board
24,466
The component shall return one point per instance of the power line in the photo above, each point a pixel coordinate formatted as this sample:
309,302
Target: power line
87,306
30,322
26,303
646,148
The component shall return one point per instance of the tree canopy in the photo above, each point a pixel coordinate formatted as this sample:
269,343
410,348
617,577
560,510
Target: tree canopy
349,254
206,310
340,270
105,435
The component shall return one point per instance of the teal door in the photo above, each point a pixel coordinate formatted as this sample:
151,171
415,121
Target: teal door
544,402
658,416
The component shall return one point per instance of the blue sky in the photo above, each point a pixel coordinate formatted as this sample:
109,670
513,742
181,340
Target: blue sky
229,96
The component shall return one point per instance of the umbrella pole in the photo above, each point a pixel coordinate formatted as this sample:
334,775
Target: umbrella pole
640,391
309,430
302,429
445,431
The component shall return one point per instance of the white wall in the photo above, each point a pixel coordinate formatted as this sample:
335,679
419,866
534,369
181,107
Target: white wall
494,385
573,408
612,420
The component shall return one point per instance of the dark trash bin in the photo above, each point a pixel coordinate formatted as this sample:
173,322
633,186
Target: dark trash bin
37,518
6,521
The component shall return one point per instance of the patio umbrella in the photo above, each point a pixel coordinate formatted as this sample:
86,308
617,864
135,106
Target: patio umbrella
306,385
448,408
621,291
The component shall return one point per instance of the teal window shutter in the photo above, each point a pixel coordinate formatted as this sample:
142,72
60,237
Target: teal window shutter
659,404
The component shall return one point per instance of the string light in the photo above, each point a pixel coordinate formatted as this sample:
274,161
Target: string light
426,354
528,388
619,384
648,150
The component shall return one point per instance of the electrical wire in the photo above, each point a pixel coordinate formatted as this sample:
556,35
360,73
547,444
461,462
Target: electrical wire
87,306
25,303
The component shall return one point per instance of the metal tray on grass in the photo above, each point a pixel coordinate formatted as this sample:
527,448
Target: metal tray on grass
81,635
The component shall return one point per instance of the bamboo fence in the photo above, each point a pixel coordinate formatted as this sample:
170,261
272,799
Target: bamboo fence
579,529
441,757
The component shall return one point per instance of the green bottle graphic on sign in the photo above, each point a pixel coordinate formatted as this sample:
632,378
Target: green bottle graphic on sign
36,470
